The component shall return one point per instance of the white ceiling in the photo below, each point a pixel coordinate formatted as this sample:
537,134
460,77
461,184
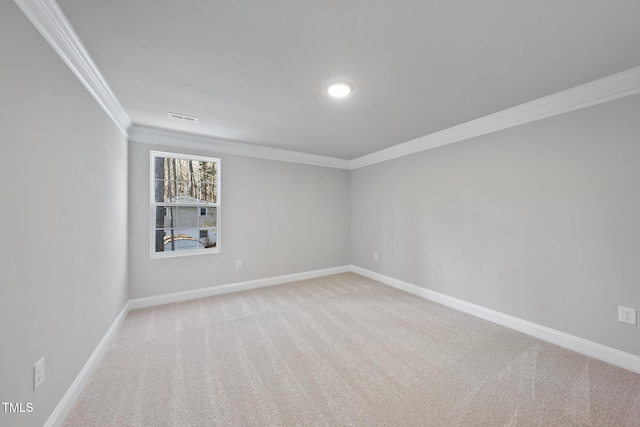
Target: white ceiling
255,71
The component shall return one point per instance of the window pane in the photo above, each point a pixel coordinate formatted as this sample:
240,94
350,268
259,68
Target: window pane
186,192
210,219
160,230
160,192
208,238
165,216
206,180
180,239
165,191
159,240
171,191
160,176
186,217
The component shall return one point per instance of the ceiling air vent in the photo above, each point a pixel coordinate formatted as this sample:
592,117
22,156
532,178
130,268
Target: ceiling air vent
183,117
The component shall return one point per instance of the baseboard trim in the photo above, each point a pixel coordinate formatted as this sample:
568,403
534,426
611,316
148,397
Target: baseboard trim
59,414
232,287
588,348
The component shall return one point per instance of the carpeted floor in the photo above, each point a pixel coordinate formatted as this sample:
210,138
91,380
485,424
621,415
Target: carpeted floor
342,350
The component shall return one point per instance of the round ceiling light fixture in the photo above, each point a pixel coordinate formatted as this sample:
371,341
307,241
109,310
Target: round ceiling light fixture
339,89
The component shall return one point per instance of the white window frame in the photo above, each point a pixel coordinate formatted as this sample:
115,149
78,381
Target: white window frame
154,205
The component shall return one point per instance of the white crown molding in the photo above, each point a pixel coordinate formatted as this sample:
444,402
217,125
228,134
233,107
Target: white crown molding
580,345
596,92
197,142
49,19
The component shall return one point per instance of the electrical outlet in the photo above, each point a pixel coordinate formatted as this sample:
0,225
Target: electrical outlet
238,263
38,373
627,315
375,256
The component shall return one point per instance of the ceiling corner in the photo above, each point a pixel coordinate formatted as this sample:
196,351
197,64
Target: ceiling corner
49,19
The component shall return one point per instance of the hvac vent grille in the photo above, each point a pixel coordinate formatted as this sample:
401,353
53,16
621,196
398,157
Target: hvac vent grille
183,117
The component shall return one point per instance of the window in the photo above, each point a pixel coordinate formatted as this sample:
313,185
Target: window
185,205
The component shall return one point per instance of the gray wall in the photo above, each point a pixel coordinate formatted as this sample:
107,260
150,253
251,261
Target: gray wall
541,221
277,217
63,252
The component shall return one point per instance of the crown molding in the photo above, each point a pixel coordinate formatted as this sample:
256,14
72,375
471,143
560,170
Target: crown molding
596,92
176,139
49,19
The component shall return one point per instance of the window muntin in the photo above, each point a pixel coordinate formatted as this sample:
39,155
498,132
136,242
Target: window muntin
185,206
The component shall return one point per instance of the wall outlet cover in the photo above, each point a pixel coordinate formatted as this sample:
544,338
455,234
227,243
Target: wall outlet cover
38,373
627,315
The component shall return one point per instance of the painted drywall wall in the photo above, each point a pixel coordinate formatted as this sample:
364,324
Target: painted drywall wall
540,221
277,217
64,211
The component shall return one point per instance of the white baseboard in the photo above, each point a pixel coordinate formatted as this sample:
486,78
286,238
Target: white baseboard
589,348
233,287
66,403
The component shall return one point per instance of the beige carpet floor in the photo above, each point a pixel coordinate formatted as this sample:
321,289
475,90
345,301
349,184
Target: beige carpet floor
337,351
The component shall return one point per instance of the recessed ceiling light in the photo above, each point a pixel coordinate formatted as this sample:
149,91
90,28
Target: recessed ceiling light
339,89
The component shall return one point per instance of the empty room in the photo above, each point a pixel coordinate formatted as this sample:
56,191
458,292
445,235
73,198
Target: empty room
286,213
